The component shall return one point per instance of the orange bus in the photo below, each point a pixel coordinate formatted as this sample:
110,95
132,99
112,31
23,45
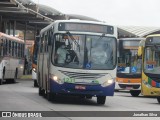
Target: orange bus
129,66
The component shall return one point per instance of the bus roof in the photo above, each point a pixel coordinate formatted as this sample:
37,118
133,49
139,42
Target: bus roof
11,37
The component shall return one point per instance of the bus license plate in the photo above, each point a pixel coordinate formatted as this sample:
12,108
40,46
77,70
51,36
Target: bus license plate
80,87
128,87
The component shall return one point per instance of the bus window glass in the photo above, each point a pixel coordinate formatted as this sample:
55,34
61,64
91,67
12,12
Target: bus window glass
128,61
42,44
4,47
85,51
152,60
15,49
12,48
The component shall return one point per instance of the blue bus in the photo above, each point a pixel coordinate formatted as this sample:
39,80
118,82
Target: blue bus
78,58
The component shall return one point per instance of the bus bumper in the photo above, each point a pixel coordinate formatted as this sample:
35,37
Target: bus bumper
82,89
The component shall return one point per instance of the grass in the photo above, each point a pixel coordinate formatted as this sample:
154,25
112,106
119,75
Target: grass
26,77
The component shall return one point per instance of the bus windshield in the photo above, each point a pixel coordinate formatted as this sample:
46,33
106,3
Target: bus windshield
128,61
152,59
85,51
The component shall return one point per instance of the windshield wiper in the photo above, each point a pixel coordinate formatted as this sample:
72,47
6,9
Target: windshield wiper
103,35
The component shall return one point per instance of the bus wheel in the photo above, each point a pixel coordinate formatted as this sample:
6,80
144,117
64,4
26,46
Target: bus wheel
50,96
41,92
135,93
101,100
1,82
158,99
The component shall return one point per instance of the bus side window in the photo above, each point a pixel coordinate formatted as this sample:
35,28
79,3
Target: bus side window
42,44
6,46
9,50
13,48
50,36
46,43
18,49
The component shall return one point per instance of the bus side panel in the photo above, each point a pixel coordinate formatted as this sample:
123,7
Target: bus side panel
45,71
13,66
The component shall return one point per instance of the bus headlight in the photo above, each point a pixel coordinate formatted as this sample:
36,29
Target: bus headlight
21,67
108,82
56,79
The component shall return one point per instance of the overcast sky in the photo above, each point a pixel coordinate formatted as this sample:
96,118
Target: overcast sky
117,12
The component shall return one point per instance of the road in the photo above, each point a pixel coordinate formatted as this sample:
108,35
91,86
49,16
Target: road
22,96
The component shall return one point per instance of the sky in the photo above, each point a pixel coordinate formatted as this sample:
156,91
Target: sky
115,12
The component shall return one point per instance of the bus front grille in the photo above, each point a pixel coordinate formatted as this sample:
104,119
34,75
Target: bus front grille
86,76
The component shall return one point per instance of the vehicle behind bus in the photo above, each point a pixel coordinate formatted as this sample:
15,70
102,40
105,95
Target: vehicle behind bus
77,58
150,52
11,58
129,66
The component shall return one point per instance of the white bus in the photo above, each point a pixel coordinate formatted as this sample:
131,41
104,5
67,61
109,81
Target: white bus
77,58
11,58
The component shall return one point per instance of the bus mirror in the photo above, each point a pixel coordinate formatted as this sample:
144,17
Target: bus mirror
139,51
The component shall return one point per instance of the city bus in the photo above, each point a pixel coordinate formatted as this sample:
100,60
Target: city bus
150,51
11,58
77,58
129,66
34,61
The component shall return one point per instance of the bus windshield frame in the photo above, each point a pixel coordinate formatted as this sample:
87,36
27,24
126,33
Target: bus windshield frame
86,51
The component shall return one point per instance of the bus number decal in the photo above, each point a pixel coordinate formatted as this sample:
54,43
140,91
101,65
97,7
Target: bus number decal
69,80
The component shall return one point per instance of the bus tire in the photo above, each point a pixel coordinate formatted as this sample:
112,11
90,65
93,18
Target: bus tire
40,92
1,82
158,99
101,100
50,96
135,93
